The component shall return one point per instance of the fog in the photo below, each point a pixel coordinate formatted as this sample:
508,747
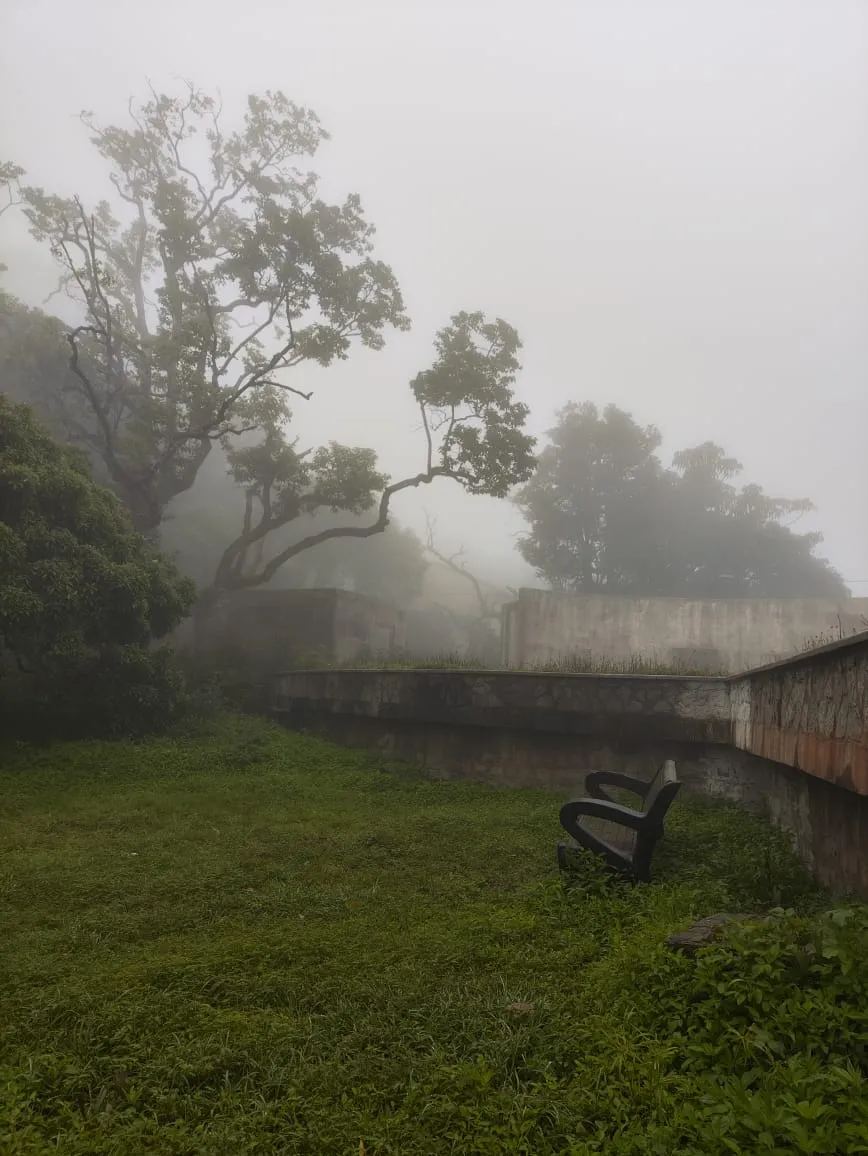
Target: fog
668,200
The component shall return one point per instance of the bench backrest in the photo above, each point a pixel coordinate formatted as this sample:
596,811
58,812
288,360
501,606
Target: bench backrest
662,791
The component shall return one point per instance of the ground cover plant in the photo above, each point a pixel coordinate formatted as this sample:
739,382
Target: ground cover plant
249,941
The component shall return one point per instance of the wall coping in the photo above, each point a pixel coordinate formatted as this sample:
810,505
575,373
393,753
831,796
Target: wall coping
854,641
482,671
581,594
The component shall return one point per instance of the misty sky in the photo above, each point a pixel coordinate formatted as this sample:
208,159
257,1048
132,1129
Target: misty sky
668,200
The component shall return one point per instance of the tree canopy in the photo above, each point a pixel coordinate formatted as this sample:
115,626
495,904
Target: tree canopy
82,595
473,434
215,272
200,526
34,370
605,515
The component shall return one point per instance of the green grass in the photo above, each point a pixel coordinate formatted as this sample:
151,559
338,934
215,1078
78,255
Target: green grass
250,941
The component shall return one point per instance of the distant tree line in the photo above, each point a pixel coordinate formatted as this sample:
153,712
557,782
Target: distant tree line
606,515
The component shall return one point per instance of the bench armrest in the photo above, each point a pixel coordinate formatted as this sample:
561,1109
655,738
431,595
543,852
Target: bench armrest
595,781
601,809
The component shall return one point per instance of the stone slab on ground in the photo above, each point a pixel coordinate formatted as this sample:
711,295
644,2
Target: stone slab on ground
705,930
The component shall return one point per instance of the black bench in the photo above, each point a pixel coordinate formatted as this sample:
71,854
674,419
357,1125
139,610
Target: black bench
624,837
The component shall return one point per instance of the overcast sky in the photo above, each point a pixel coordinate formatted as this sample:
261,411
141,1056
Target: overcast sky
668,200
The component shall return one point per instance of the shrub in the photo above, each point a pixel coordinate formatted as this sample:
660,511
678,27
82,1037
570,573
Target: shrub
82,595
770,1029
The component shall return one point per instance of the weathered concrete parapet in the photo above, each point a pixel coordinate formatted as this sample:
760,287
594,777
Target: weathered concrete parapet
635,708
789,739
809,712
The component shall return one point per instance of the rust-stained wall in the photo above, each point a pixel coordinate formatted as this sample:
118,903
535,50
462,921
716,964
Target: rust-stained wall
732,634
810,713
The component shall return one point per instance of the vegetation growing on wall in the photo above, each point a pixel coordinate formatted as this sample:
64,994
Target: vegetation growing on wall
636,664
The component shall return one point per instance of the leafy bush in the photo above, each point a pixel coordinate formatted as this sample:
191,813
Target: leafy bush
770,1029
82,595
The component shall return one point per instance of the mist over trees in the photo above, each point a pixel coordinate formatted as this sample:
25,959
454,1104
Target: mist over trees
216,272
34,369
200,525
606,515
219,270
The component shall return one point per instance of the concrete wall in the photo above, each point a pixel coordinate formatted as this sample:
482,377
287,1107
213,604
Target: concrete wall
527,729
730,634
268,629
363,624
640,709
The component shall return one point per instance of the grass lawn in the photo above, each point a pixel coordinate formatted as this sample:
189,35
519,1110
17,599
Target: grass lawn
252,941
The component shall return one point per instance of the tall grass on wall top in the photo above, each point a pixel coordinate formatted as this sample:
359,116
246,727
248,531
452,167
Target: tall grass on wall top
636,664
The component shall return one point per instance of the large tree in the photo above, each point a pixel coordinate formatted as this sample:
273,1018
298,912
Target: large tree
605,515
217,279
216,270
34,370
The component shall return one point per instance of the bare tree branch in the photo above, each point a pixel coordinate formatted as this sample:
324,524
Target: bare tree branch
223,578
451,561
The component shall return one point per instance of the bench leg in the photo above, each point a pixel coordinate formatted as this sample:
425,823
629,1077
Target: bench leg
566,855
617,864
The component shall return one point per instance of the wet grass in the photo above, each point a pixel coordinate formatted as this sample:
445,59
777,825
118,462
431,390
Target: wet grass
253,941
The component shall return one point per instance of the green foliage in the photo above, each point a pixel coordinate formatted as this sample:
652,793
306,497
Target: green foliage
202,523
252,274
606,516
250,941
468,395
34,368
82,596
770,1029
333,477
10,175
474,430
250,271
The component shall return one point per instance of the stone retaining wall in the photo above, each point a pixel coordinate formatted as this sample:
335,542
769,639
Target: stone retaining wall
788,740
